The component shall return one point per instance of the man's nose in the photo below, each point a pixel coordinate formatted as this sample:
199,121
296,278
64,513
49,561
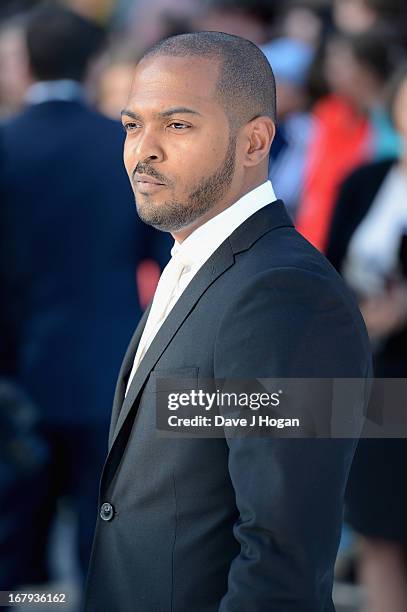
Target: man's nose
148,148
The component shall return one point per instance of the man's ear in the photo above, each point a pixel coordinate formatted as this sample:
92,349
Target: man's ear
258,134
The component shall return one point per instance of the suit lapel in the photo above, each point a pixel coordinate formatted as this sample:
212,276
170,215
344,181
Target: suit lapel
125,369
220,261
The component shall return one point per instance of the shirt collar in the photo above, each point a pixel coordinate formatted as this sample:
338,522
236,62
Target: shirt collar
204,241
65,90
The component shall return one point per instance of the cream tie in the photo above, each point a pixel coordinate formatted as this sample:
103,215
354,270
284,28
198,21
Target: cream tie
164,293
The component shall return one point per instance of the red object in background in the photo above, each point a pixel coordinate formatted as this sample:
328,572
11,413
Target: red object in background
147,277
339,144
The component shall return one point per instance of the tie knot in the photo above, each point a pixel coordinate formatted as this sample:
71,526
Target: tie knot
181,260
172,273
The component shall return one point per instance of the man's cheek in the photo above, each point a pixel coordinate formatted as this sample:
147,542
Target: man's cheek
127,159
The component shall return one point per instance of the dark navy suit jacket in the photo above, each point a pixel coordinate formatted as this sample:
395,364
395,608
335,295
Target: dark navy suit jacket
236,524
70,243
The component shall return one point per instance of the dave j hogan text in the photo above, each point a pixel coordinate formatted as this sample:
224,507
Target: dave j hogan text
256,420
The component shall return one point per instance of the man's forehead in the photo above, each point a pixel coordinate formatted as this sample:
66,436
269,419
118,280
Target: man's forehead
168,76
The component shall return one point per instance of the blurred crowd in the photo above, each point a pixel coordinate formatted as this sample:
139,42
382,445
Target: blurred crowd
77,267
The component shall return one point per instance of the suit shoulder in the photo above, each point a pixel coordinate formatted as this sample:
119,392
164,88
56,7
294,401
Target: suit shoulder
303,314
310,281
286,249
284,262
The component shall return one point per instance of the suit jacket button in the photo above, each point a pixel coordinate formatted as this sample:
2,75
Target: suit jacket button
106,512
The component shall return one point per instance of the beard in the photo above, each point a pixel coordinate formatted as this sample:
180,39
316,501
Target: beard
173,215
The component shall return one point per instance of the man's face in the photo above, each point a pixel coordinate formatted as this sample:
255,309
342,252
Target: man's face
179,153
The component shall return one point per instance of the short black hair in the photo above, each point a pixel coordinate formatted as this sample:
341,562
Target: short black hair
246,85
60,43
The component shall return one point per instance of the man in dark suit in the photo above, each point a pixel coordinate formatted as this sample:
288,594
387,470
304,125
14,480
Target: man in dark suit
70,245
233,524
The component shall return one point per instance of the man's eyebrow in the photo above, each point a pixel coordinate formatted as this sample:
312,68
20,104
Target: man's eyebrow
178,110
166,113
129,113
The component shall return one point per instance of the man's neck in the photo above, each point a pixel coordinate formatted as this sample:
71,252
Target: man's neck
182,234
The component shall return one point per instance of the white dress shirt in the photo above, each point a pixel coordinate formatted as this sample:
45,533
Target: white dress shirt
194,251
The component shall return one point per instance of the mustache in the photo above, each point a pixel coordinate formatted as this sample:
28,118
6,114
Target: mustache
149,170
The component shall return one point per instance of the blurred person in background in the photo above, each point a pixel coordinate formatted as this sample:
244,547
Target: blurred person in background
147,21
96,10
367,245
9,8
305,20
251,19
152,20
291,60
113,81
24,463
350,125
14,73
357,16
310,22
71,242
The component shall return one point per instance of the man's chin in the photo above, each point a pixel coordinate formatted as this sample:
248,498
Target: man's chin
170,216
150,214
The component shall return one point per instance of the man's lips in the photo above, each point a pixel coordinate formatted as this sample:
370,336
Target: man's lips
147,185
145,179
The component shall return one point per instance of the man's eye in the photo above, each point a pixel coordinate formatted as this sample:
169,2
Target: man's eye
177,125
130,127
